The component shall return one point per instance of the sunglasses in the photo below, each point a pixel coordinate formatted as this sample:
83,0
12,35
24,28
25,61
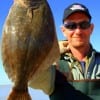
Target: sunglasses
81,25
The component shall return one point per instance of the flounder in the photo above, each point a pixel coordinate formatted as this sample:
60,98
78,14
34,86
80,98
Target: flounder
29,44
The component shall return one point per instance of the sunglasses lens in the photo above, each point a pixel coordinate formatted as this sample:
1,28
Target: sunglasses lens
73,25
84,25
70,25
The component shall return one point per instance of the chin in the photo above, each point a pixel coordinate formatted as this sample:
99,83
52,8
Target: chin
78,44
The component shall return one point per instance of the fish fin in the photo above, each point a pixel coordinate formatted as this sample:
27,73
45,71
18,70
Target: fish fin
19,95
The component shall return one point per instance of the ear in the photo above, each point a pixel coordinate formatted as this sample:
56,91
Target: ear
63,29
91,28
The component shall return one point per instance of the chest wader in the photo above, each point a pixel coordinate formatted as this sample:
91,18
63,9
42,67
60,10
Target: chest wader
69,90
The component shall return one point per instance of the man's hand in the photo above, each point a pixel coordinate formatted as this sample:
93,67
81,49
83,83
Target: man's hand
63,46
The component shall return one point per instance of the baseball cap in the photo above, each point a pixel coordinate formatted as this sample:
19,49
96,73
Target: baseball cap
75,7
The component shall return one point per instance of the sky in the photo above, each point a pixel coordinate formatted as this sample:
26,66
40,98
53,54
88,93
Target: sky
57,7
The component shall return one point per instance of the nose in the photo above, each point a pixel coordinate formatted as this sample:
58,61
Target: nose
78,30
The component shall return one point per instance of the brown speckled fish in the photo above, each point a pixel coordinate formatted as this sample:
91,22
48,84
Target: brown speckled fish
29,44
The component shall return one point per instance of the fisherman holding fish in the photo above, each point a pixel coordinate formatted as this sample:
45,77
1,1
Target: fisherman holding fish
77,74
29,47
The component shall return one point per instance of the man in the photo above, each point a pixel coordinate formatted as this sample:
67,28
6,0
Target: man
78,70
77,74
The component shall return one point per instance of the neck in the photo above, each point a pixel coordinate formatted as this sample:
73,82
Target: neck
80,52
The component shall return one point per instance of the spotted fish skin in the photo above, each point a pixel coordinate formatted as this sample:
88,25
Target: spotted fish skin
29,44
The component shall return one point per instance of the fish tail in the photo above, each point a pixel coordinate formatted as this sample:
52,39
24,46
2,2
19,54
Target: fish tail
19,95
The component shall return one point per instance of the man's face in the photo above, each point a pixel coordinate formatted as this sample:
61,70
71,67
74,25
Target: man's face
77,35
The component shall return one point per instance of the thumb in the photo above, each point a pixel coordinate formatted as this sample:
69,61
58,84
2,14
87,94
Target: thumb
63,46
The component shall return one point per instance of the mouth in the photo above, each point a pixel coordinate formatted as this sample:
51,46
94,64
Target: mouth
78,39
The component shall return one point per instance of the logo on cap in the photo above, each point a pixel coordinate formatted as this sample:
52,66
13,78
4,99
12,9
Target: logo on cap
77,7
